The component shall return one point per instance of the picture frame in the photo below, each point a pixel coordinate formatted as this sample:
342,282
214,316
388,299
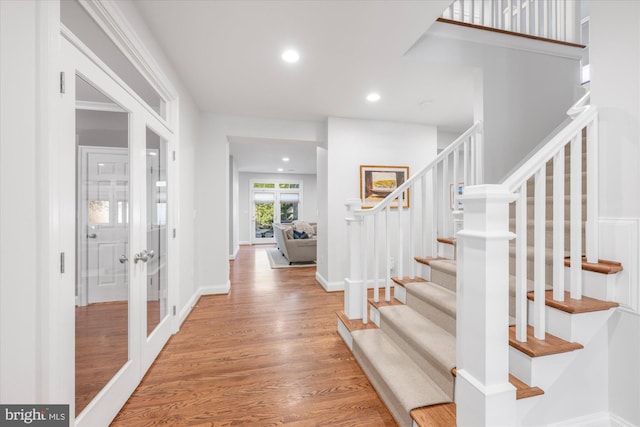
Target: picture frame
377,182
460,189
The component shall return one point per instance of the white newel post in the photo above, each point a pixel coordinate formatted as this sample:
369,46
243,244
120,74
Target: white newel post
484,395
353,282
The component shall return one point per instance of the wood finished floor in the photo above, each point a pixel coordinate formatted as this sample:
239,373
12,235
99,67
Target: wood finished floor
266,354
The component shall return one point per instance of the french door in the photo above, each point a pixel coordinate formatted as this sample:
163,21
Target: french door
123,188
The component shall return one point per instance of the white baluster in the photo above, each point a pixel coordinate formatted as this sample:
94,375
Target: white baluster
558,225
592,233
363,249
387,253
444,204
539,259
376,267
527,18
412,232
536,14
454,181
400,251
423,211
545,19
500,15
509,20
521,264
480,158
519,16
434,211
465,162
576,217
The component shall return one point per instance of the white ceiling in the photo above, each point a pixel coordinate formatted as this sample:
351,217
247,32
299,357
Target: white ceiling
228,55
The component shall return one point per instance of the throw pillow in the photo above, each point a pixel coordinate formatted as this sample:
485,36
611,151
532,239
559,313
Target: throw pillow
300,235
289,233
304,226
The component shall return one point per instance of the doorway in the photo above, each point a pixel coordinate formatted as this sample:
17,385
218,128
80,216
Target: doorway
123,250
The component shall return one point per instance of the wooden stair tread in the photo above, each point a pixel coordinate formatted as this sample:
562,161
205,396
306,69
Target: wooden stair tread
383,303
441,415
570,305
355,324
603,266
537,348
523,391
427,260
406,279
447,240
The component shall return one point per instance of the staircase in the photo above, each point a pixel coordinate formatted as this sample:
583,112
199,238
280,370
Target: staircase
552,331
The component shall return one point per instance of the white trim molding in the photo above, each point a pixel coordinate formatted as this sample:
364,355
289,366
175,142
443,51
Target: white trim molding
329,286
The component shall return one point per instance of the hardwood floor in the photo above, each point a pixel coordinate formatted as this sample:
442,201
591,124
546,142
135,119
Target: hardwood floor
265,354
101,347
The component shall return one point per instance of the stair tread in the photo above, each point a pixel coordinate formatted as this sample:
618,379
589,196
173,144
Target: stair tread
537,348
447,240
355,324
406,279
603,266
428,260
383,303
570,305
523,390
425,336
410,386
434,294
441,415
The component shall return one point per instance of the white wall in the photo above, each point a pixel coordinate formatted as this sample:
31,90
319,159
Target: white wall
446,137
309,211
234,208
351,143
523,96
212,187
615,86
20,314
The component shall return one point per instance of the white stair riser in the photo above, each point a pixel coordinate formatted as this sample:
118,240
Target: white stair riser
446,250
374,315
578,327
443,279
594,285
539,371
400,293
345,334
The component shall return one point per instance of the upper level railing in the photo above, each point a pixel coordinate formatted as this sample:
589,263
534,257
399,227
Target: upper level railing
549,19
382,240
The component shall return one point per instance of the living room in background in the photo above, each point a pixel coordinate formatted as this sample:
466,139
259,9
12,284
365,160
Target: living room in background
273,201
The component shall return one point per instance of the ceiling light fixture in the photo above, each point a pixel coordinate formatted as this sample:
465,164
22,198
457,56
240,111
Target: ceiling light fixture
285,159
280,170
291,56
373,97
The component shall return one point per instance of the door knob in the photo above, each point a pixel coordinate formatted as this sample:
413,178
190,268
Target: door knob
142,256
151,253
92,235
123,259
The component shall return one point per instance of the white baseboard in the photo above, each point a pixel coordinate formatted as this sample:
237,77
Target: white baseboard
329,286
234,254
620,241
599,419
617,421
244,243
202,290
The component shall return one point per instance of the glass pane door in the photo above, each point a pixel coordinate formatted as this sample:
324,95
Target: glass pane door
157,239
263,216
102,287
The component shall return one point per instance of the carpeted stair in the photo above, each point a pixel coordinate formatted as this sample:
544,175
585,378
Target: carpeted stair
409,359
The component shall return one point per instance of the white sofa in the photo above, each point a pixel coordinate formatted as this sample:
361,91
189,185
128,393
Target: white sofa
295,250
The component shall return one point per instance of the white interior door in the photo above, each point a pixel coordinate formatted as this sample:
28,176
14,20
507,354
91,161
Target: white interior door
104,223
122,233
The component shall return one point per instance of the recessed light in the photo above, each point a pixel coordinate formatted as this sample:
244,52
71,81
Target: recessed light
285,159
280,169
425,103
373,97
290,56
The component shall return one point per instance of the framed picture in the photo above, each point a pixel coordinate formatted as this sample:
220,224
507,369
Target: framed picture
377,182
460,190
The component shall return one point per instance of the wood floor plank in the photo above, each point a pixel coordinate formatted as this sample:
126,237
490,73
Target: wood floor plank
268,353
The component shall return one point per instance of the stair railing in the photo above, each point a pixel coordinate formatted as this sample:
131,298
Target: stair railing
584,124
550,19
387,236
483,263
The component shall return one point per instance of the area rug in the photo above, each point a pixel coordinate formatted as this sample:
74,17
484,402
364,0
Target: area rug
277,260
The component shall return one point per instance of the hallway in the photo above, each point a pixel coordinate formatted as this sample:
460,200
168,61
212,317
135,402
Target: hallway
265,354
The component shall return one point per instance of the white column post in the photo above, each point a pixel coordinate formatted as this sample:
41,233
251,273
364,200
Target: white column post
353,281
484,395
